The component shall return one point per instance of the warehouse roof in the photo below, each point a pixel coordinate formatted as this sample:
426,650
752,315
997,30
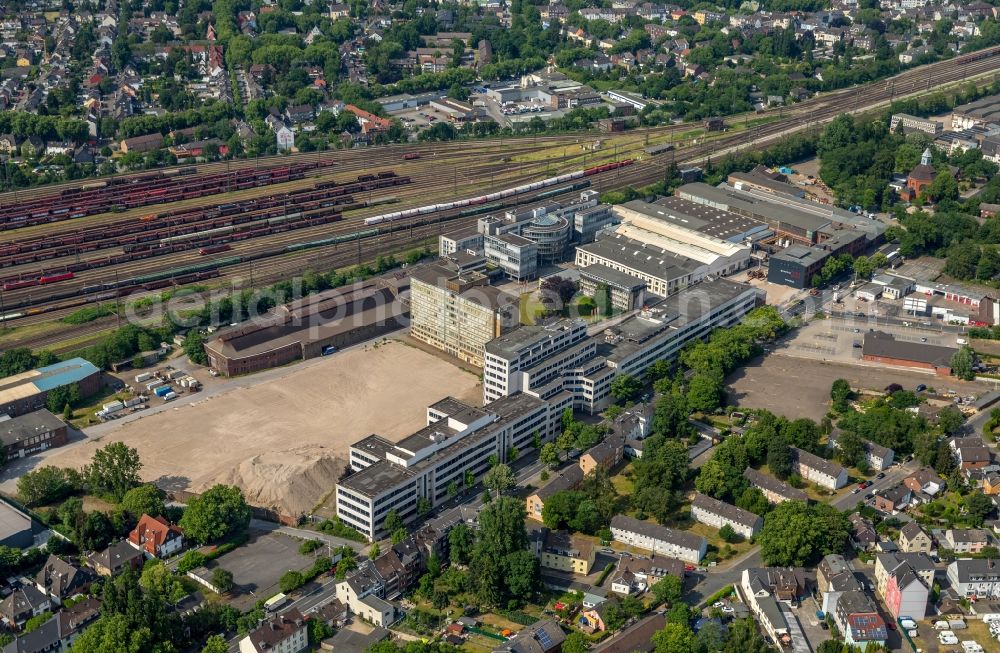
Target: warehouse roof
612,277
708,220
885,345
21,428
646,259
12,521
45,378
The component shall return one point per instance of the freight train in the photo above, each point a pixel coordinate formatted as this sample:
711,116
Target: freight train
500,195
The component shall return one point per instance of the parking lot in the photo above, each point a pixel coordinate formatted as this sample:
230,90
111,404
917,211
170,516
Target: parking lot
783,385
840,339
257,566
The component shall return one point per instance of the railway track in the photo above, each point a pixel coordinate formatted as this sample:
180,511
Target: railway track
400,236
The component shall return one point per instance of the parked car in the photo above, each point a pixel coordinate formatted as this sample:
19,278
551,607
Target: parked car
880,475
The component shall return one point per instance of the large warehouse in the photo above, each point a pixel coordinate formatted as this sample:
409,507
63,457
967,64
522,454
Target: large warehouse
27,392
312,326
881,347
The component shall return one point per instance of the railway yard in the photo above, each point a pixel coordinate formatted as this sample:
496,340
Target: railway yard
69,245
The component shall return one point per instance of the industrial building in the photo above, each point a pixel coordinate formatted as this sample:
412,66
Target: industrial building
17,529
792,219
457,438
31,433
26,392
913,123
458,314
982,111
763,180
797,265
881,347
558,362
313,326
663,272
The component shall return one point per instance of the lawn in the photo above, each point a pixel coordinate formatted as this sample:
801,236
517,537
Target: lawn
624,485
715,542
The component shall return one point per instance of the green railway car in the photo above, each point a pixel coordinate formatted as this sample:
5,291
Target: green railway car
476,210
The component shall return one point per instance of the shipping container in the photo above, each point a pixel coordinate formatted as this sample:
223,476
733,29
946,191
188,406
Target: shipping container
142,378
163,391
152,385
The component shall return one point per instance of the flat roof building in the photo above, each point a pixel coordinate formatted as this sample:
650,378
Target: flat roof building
558,362
663,272
459,314
515,255
26,392
914,123
16,527
627,292
979,112
881,347
458,438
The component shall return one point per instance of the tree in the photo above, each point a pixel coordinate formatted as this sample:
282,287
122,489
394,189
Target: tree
291,580
962,362
499,479
194,347
375,551
795,534
222,579
216,644
393,521
625,387
728,534
850,449
220,511
575,643
146,499
674,638
840,393
114,470
549,455
950,420
423,506
47,485
668,589
779,458
705,390
979,507
502,537
461,541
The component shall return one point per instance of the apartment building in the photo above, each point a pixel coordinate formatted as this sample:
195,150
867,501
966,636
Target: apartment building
285,633
636,575
914,123
568,479
459,314
975,578
558,362
717,514
818,470
763,588
458,438
774,491
966,540
913,539
834,577
658,539
564,552
877,457
904,580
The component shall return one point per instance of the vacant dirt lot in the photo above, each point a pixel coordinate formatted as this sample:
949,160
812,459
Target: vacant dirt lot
284,439
795,387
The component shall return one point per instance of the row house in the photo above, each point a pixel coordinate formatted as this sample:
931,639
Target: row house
58,632
975,578
658,539
859,622
717,514
60,579
892,499
904,580
818,470
834,577
637,575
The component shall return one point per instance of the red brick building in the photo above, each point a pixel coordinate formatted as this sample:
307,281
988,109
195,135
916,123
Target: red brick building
881,347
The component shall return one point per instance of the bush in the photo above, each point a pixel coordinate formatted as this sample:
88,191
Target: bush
718,596
309,546
291,580
191,560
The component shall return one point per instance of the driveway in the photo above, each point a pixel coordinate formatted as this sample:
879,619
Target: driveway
799,642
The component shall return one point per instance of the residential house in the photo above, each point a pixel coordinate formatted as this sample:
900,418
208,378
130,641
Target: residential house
834,577
637,638
892,499
763,588
607,454
156,537
913,539
545,636
903,580
114,559
775,491
299,114
818,470
285,633
859,622
971,452
636,575
22,604
61,580
924,484
863,535
876,456
658,539
141,144
975,578
594,620
333,614
966,540
58,632
360,593
565,552
564,480
717,514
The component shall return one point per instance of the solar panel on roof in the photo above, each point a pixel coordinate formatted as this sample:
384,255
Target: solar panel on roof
544,639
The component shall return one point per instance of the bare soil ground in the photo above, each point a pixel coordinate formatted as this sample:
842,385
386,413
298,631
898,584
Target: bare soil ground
284,439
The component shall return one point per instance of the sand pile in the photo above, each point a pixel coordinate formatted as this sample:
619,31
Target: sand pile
291,482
